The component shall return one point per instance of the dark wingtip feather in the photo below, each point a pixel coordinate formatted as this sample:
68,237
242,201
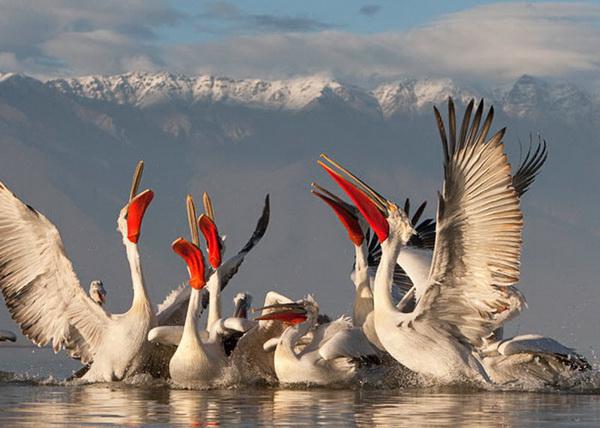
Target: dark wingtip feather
419,212
442,131
530,166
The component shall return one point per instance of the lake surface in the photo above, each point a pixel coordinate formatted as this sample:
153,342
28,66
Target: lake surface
32,395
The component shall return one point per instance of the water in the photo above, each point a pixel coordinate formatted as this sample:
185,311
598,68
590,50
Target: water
34,396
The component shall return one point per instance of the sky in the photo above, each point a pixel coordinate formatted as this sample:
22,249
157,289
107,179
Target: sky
359,42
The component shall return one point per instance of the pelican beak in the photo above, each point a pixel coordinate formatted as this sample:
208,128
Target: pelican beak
194,260
102,298
291,313
135,213
347,214
374,207
213,241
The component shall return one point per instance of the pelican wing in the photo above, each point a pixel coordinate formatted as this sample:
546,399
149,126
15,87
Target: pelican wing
40,288
173,309
231,266
533,343
225,326
166,335
348,343
478,237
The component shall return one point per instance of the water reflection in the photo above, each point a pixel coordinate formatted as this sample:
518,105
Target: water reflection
136,405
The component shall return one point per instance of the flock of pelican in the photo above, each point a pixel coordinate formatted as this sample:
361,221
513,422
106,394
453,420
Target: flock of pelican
431,297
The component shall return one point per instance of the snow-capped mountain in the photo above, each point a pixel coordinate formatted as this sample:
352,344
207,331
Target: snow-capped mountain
528,97
146,89
532,97
413,95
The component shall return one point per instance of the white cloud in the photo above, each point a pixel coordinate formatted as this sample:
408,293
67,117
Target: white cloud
491,44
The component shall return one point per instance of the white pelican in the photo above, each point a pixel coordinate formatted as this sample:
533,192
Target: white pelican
332,354
249,357
44,297
475,262
202,349
97,292
475,265
411,274
7,335
194,364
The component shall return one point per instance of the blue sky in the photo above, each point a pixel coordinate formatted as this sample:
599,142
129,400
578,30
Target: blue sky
352,16
361,17
360,42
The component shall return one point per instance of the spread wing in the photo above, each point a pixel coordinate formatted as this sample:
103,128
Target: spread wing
477,251
40,288
231,266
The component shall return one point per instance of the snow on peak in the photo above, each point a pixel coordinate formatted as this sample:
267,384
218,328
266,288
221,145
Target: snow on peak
411,95
529,96
146,89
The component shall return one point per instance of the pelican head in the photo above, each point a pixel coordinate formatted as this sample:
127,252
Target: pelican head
386,218
97,292
129,222
241,302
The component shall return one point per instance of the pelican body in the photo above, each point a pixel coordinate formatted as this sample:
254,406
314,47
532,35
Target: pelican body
44,297
330,356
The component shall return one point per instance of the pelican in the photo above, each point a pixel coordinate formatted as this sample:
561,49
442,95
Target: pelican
97,292
254,363
332,353
44,297
204,350
475,262
414,261
7,335
194,364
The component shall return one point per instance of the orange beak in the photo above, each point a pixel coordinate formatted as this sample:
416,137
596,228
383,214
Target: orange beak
213,241
345,212
371,208
135,214
287,317
194,260
291,314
